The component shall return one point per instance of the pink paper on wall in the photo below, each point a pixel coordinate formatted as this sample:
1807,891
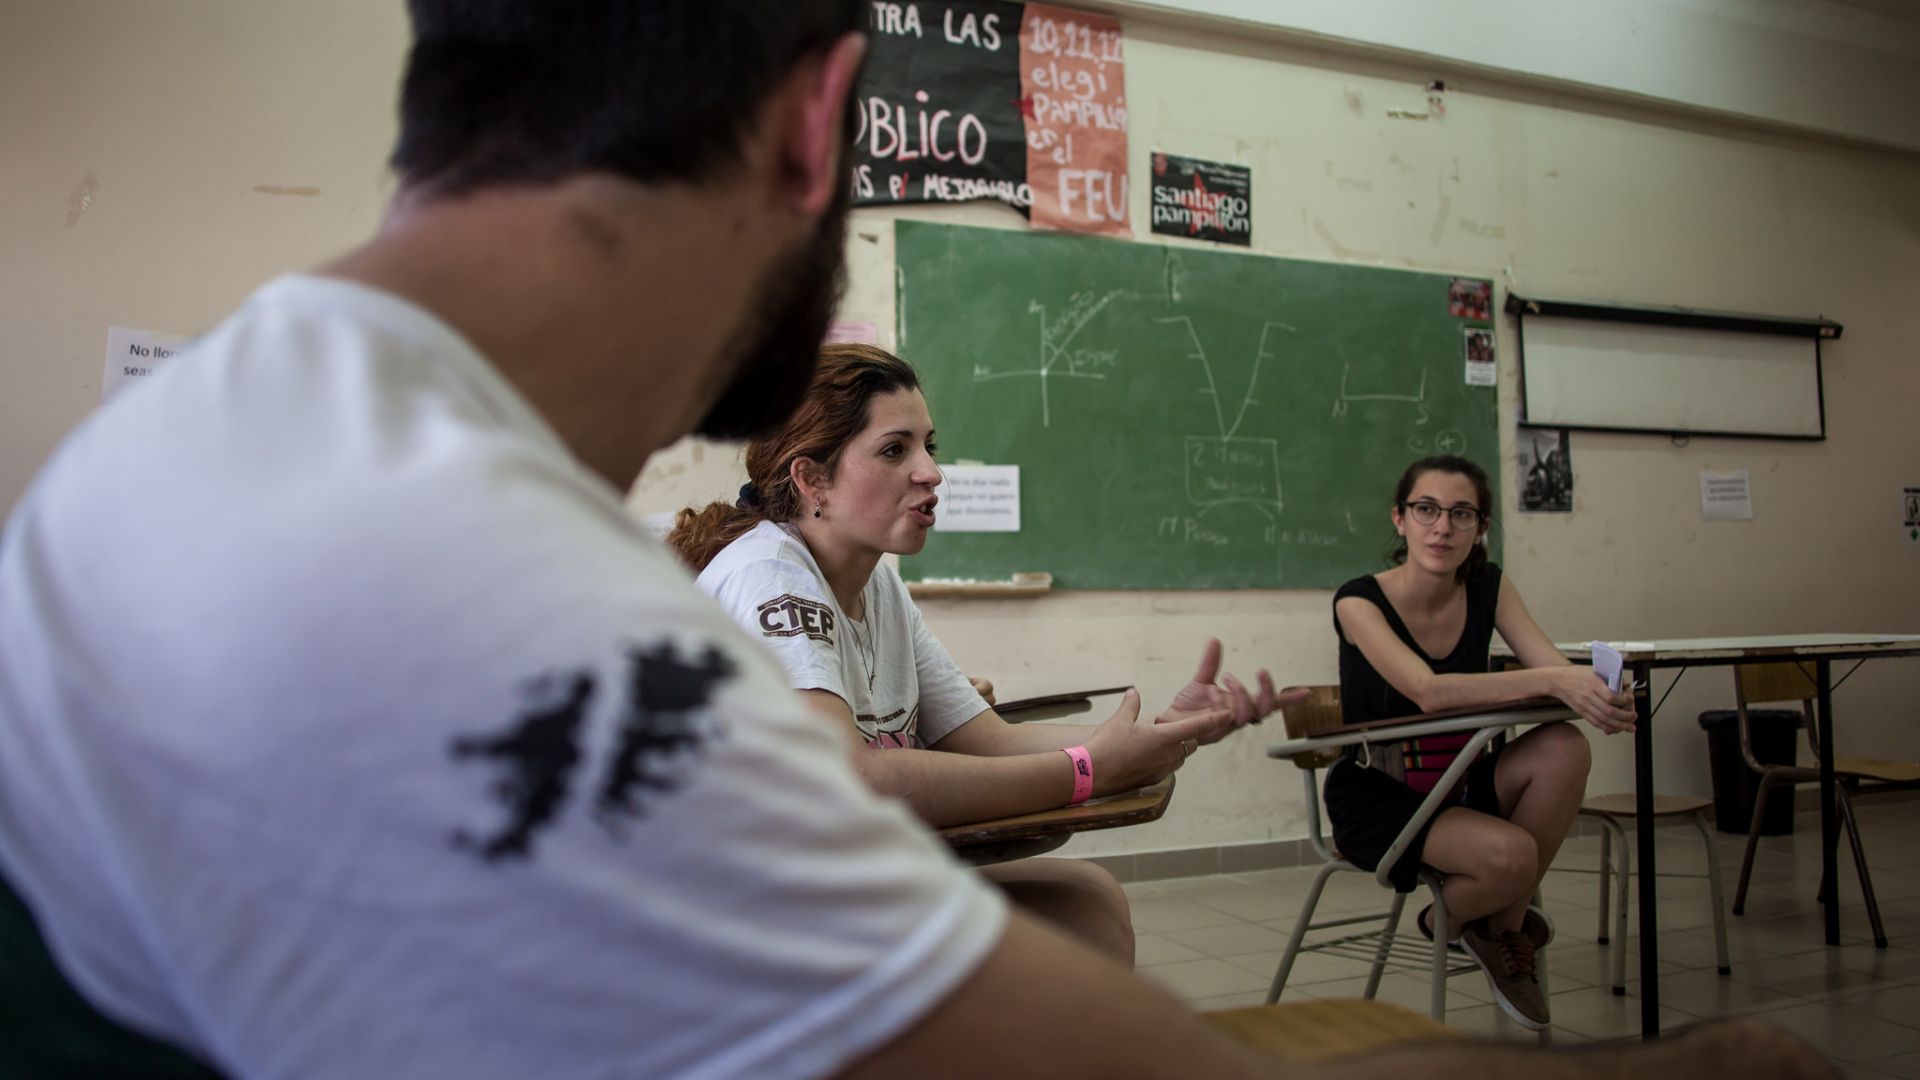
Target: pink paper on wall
1073,95
849,332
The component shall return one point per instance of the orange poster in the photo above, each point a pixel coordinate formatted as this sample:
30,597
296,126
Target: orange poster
1073,96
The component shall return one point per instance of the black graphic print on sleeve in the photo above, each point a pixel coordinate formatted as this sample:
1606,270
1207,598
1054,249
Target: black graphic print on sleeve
541,751
664,728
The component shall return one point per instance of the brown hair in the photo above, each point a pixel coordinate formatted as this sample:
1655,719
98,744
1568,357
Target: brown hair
1482,494
835,410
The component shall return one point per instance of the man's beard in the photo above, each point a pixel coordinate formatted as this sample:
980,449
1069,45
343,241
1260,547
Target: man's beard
773,354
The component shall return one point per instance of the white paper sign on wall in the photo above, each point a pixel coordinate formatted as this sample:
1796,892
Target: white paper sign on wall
134,354
1725,496
978,498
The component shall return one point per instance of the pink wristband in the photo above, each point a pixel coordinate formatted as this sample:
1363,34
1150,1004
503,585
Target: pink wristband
1082,774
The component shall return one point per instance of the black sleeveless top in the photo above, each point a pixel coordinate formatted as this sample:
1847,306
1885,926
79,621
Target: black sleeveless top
1365,695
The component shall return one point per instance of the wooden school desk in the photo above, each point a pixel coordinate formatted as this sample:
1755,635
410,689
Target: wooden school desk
1025,835
1641,659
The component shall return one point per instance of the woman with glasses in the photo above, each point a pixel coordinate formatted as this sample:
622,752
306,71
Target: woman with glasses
1414,638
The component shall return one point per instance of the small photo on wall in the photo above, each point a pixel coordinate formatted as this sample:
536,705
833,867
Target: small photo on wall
1479,346
1545,470
1470,298
1479,351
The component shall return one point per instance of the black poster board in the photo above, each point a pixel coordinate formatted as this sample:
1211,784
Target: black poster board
939,105
1204,200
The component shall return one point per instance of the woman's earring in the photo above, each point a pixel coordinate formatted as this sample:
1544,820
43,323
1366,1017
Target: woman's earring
816,508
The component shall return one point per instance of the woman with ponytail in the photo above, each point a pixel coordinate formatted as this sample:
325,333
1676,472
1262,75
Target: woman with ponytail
1415,639
796,560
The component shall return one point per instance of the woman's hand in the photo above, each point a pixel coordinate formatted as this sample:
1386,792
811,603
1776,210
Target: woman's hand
1585,693
1202,694
982,687
1129,752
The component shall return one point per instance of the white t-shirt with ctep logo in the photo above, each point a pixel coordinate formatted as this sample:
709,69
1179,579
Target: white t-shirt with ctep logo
903,688
350,727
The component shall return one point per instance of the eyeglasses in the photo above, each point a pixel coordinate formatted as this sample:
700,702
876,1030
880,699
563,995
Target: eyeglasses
1426,513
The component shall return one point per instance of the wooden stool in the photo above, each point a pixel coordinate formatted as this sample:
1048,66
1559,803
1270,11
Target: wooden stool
1610,811
1316,1030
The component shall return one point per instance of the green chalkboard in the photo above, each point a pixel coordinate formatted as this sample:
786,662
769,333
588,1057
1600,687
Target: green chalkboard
1182,418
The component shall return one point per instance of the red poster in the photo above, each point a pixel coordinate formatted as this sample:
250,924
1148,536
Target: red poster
1073,93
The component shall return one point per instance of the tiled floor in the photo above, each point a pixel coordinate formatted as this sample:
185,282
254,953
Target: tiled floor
1216,940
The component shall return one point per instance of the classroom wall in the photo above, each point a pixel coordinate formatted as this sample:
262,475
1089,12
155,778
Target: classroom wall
1557,197
161,160
1817,67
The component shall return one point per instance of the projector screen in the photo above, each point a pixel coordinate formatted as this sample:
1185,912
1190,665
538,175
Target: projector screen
1587,373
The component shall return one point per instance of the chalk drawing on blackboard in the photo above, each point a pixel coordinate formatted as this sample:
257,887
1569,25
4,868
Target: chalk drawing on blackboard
1227,469
1212,389
1222,471
1056,334
1347,397
1446,441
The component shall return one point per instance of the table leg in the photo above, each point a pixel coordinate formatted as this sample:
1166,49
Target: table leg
1643,821
1829,821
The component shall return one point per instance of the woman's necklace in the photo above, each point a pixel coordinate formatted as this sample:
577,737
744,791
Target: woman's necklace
864,645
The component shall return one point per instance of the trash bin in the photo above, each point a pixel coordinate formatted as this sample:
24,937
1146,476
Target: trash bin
1776,738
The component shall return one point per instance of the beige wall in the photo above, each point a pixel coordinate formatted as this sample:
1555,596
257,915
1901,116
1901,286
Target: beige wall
181,112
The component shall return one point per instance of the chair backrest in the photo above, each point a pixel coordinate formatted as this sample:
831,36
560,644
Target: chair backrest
1317,715
1771,683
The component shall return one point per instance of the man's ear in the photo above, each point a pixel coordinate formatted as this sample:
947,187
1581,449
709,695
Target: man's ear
810,111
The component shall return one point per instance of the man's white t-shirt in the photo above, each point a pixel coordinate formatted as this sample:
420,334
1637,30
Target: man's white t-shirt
350,727
903,688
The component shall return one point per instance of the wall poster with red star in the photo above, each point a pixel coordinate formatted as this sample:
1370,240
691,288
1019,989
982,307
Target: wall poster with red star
1202,200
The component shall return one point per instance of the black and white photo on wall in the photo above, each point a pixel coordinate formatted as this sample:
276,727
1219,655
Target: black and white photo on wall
1545,469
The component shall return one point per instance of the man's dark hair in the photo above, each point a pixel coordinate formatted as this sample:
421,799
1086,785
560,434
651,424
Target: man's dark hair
529,91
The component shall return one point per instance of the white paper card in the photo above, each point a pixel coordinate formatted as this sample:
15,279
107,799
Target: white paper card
1725,496
978,498
1479,374
1607,664
134,354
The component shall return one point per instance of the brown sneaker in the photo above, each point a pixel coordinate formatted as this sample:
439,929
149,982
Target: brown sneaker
1536,925
1538,928
1506,956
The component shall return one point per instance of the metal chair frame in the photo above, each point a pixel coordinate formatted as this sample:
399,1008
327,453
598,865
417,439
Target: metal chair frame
1382,946
1616,869
1783,682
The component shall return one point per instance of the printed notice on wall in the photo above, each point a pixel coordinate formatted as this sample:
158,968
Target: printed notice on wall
1206,200
134,354
1073,91
978,498
1910,513
939,105
1725,496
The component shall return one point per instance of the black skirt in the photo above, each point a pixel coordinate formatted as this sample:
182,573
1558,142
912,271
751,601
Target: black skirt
1368,808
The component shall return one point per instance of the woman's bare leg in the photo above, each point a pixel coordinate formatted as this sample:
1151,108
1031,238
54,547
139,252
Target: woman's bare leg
1487,862
1541,778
